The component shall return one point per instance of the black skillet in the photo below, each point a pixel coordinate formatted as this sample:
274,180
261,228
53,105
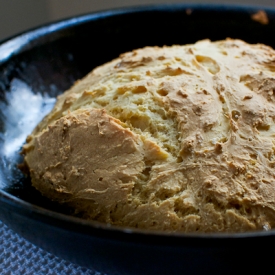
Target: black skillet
39,64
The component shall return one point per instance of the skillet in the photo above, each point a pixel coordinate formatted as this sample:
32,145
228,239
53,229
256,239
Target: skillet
39,64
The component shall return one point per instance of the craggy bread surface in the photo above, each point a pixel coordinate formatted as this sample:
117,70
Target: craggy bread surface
176,138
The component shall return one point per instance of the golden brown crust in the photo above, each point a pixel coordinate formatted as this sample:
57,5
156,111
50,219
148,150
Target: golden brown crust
176,138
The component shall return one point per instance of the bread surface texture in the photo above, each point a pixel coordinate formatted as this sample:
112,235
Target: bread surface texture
173,138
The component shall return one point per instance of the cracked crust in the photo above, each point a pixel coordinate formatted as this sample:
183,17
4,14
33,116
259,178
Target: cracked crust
175,138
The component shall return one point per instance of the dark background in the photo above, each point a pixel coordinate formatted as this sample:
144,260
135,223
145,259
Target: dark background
20,15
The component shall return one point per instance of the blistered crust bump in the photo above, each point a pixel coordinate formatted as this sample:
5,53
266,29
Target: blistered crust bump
176,138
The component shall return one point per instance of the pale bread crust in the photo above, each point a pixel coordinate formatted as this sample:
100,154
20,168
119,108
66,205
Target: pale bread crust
175,138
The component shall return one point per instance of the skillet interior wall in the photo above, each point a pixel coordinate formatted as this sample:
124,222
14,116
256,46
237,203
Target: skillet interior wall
18,15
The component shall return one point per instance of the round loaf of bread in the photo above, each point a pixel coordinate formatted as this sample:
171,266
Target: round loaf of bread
178,138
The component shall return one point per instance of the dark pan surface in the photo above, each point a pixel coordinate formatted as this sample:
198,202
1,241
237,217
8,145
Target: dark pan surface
38,65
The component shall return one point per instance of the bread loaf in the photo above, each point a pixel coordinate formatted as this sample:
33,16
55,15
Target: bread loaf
174,138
